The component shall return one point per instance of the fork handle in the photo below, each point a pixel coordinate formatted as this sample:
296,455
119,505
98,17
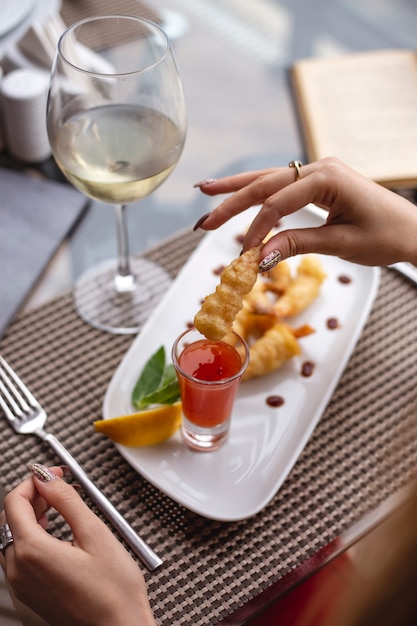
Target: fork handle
138,545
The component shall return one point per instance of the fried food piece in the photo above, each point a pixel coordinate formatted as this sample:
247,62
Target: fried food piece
257,300
279,278
271,350
304,288
251,325
243,322
218,312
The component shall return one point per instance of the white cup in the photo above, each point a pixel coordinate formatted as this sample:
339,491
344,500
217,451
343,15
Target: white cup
24,95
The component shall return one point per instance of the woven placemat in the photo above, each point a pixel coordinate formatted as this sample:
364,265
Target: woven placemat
363,450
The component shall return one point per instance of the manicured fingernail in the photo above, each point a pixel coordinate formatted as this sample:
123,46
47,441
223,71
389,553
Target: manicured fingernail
202,183
41,472
201,221
66,470
270,261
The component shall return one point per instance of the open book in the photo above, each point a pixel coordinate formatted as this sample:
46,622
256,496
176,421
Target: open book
362,108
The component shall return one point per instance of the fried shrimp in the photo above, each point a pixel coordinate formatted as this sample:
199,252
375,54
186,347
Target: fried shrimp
279,278
219,309
271,351
252,325
258,308
263,320
303,289
257,300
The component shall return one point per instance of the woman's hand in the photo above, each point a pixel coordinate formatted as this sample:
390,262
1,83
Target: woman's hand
92,580
366,223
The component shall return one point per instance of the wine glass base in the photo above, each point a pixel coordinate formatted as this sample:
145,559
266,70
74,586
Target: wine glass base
120,312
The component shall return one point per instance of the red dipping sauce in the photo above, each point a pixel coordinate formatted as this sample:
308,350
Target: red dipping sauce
214,363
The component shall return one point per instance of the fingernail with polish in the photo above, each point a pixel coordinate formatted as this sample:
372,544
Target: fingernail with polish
42,472
270,261
66,471
201,221
203,183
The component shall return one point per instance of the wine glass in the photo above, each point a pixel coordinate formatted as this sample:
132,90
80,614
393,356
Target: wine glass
116,124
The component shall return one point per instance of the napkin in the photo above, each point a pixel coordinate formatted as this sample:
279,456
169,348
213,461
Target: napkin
35,217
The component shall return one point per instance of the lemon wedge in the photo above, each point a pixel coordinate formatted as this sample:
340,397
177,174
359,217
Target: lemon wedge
144,428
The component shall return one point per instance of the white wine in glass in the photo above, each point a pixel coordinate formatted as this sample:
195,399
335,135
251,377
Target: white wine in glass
116,124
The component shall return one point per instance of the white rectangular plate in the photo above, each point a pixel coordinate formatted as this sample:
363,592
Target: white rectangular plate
238,480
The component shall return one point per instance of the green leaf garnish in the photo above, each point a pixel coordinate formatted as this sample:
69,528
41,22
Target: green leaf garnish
169,375
150,377
168,394
157,383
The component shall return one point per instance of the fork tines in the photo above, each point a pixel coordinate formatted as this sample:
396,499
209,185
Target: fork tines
15,398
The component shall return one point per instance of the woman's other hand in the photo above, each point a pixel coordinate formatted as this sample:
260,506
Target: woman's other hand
92,580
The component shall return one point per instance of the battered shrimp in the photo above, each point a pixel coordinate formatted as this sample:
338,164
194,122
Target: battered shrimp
271,350
279,278
219,309
303,289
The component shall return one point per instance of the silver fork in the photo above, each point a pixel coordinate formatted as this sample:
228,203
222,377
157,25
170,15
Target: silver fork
27,416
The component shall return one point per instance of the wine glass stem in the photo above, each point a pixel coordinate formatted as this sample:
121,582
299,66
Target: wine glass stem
124,280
